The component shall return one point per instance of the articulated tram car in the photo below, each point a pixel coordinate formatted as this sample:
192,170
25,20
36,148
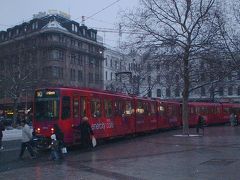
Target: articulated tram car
113,115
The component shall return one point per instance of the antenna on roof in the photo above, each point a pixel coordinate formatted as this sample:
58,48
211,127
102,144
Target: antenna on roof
83,20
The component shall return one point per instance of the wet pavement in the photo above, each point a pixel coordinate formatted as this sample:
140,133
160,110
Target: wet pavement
161,155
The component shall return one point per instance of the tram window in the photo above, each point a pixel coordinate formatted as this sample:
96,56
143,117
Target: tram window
96,108
108,108
226,110
169,110
152,110
65,107
128,108
75,108
192,110
161,110
140,109
146,108
83,106
118,108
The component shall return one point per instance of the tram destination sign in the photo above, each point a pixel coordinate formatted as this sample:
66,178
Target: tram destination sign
46,93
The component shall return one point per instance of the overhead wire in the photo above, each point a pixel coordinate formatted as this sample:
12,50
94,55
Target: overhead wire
102,9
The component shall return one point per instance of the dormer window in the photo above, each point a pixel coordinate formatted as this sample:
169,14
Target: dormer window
74,28
25,29
84,32
17,31
35,25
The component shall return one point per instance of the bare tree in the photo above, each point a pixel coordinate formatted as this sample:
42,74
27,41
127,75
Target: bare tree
19,74
182,28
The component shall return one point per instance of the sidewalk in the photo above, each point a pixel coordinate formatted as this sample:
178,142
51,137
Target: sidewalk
161,155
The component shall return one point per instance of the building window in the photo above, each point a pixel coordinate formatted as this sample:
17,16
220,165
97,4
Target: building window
230,91
56,54
106,62
168,92
73,58
159,93
203,91
80,76
72,75
57,72
111,63
90,77
97,78
79,60
238,74
97,64
111,76
106,75
221,92
238,91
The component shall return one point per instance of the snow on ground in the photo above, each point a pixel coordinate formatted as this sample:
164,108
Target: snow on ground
12,134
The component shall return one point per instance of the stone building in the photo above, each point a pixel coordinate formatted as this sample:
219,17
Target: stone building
50,50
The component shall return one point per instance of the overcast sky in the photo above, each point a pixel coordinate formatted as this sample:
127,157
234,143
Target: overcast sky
13,12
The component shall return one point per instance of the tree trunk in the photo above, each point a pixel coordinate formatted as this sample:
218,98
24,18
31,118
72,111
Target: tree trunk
185,93
15,111
185,114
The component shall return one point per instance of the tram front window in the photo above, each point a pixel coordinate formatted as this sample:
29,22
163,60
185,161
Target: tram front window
47,109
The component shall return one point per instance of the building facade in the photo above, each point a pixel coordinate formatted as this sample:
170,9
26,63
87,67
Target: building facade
51,50
115,70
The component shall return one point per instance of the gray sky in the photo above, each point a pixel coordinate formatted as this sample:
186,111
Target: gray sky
13,12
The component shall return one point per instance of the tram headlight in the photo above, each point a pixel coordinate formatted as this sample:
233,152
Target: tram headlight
38,130
52,130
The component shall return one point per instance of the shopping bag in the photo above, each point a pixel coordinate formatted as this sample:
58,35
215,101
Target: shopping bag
94,142
64,150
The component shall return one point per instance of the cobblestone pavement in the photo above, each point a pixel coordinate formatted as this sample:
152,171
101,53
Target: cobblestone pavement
161,155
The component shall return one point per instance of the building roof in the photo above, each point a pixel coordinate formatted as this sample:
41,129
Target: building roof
54,25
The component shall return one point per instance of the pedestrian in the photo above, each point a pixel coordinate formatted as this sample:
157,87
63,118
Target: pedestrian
26,140
235,119
2,128
232,119
200,124
60,138
54,148
86,133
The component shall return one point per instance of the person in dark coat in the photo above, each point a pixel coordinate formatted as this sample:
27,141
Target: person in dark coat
2,128
200,124
86,133
60,138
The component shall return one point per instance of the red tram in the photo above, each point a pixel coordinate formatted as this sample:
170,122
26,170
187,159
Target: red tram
112,115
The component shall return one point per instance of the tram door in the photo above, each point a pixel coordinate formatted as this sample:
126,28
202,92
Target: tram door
78,111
